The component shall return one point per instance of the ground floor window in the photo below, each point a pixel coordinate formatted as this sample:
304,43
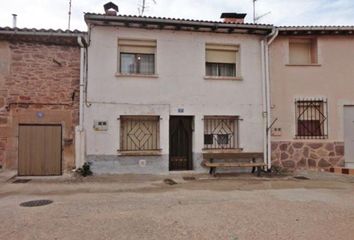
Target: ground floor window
221,132
311,118
139,133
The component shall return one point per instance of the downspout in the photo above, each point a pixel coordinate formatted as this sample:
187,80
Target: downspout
80,131
269,39
83,46
264,110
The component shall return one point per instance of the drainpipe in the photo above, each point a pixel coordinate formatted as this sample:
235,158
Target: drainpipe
264,110
80,131
83,46
268,41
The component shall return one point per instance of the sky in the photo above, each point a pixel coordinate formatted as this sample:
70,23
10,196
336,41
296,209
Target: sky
54,13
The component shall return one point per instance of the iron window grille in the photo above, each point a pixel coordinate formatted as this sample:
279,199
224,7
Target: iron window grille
221,132
311,118
139,133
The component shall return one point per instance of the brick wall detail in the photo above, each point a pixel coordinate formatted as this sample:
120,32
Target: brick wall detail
40,77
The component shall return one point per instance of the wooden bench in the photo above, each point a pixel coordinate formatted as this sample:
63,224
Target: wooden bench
253,156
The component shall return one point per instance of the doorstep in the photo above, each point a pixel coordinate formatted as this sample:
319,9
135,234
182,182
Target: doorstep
341,170
6,175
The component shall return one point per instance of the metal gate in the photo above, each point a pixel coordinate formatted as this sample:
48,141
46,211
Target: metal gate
181,143
39,150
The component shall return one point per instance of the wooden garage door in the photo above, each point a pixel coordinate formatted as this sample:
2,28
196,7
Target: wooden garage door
39,150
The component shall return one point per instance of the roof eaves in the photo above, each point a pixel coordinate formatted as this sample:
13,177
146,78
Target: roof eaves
315,28
90,17
45,32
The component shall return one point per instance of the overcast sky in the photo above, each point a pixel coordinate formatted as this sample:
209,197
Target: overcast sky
54,13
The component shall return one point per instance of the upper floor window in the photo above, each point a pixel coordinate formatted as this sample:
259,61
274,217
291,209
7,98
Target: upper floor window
222,60
303,51
311,118
137,56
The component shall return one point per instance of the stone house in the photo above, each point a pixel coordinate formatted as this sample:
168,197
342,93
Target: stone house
39,83
312,97
161,92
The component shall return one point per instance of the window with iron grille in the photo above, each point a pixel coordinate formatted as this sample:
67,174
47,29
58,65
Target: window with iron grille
311,118
139,133
221,132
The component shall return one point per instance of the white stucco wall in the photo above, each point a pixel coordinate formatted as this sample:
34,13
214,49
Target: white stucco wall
180,66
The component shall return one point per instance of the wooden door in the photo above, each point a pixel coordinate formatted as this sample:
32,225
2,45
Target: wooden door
40,150
349,136
180,143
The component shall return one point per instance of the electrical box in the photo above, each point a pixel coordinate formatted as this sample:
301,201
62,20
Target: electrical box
100,125
276,132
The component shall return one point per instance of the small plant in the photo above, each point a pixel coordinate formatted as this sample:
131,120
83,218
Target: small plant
85,170
279,171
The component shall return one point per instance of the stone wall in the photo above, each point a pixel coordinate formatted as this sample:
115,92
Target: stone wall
37,76
305,155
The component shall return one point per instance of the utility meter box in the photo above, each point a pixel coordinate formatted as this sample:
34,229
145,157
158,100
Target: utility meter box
100,125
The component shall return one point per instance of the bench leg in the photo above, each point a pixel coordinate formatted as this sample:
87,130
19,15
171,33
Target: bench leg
212,171
259,170
253,168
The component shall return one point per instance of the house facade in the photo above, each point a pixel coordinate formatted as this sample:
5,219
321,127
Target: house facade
39,82
312,97
161,92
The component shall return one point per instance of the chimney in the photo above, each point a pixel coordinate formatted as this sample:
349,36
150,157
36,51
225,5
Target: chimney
14,20
234,17
110,9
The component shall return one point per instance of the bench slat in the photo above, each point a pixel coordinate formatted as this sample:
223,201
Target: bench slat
232,155
232,164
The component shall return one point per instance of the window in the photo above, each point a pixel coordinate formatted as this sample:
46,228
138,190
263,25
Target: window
302,51
221,132
222,60
139,133
311,119
137,56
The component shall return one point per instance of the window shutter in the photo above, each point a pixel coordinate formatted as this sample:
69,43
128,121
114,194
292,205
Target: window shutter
137,46
221,53
300,52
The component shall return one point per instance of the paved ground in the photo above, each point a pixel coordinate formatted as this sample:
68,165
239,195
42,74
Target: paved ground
144,207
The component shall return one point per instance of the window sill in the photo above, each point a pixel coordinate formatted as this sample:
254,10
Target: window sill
223,78
140,153
304,65
234,150
136,75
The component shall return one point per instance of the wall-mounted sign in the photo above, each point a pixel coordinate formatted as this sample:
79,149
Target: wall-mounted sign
40,114
180,110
